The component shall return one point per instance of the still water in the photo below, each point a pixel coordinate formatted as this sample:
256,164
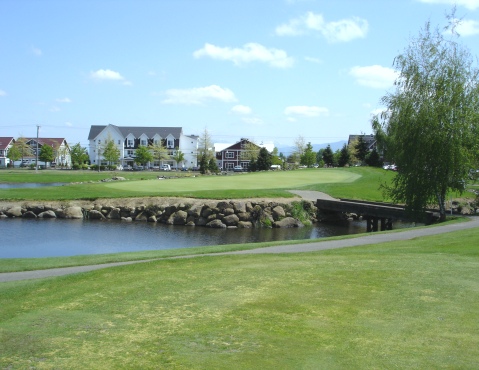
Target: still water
26,238
29,185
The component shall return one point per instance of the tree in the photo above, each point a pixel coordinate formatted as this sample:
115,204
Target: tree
111,153
431,120
78,154
158,151
179,157
344,156
308,158
143,155
213,166
23,148
205,151
263,163
300,146
328,156
14,154
373,159
361,149
46,154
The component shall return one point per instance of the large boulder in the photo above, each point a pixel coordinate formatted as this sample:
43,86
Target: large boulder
47,214
288,222
74,212
14,212
29,214
231,220
216,224
95,215
115,214
278,213
177,218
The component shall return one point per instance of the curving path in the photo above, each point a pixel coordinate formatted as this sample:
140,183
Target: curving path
363,239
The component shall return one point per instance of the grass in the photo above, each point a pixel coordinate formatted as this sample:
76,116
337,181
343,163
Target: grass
410,304
254,185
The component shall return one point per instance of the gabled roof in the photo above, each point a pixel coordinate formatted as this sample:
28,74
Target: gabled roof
95,130
5,142
48,140
368,139
219,147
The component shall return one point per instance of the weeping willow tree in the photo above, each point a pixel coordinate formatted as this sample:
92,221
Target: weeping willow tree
430,126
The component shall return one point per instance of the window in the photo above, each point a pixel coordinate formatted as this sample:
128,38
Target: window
129,153
170,144
143,142
119,142
229,155
99,141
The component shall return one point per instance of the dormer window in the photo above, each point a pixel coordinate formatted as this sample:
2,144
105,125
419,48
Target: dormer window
130,142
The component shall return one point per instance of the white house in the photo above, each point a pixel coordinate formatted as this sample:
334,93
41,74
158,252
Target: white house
5,144
129,138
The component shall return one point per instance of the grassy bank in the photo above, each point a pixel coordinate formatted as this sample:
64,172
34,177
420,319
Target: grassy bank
409,304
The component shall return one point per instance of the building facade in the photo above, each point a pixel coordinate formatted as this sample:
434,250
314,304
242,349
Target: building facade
61,152
229,156
128,139
5,144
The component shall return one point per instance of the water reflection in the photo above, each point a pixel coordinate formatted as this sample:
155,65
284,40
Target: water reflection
29,185
24,238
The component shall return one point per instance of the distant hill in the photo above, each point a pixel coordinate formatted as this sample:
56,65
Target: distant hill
287,150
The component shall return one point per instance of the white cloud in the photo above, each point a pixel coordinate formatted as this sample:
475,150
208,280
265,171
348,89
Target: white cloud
108,75
251,52
199,95
63,100
378,111
469,4
241,109
3,93
343,30
467,27
374,76
306,111
36,51
313,60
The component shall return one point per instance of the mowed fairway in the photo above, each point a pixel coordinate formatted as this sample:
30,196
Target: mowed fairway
245,181
400,305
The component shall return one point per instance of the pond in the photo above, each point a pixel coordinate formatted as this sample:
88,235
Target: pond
21,185
26,238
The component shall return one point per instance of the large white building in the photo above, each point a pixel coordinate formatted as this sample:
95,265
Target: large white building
129,138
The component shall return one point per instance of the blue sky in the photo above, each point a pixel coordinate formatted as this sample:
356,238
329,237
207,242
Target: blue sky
268,70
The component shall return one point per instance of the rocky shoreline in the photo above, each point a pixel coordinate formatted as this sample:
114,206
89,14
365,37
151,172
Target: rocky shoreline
173,211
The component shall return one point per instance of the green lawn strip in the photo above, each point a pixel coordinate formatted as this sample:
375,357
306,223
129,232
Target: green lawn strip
408,304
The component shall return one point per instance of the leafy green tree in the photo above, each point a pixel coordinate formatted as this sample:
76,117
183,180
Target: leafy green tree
143,155
179,157
431,119
78,154
275,157
205,150
263,163
373,159
319,157
14,154
309,157
46,154
111,153
213,166
361,149
158,151
328,156
344,156
24,149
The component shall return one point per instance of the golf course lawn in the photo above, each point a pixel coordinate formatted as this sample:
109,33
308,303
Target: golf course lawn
262,180
408,304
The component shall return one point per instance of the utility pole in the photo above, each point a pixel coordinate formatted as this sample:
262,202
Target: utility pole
36,151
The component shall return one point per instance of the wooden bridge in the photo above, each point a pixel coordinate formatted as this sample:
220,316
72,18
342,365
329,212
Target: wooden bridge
379,216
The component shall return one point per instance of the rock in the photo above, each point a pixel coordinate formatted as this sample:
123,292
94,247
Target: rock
73,213
29,214
245,225
152,218
288,222
14,212
231,220
127,219
115,214
216,224
95,215
228,211
244,216
142,216
47,214
177,218
278,213
239,207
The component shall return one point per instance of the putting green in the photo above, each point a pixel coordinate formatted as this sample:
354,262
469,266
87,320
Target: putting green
261,180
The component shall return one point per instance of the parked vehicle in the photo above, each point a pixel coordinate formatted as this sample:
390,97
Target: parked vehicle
166,167
238,169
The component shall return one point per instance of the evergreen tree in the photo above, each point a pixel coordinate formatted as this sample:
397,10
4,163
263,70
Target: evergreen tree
344,156
263,163
328,156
